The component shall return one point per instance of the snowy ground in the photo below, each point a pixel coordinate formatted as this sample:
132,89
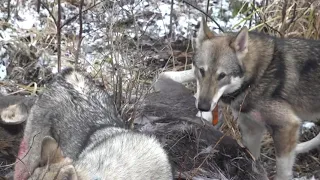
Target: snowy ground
143,18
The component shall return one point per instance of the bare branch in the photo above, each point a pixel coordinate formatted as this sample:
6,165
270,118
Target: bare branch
171,19
204,14
58,23
38,6
80,34
8,11
207,11
284,11
50,13
75,16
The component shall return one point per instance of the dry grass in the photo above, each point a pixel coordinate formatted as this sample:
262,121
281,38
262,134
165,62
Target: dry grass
290,18
230,126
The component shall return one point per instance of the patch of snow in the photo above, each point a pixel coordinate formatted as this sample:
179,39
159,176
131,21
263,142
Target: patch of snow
54,70
5,35
3,71
250,1
29,19
304,178
308,125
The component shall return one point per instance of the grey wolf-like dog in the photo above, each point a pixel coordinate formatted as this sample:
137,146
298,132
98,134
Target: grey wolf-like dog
73,131
270,83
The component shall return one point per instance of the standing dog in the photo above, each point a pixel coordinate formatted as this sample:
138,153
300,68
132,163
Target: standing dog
73,132
270,83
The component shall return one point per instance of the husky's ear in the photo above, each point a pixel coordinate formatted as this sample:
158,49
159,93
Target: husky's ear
52,164
14,114
50,151
240,42
68,173
203,32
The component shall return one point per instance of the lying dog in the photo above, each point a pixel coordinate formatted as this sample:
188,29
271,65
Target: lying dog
73,131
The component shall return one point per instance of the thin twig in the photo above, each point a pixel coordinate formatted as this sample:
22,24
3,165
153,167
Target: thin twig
207,11
204,14
287,25
38,6
20,159
58,24
50,13
75,16
196,170
171,19
302,14
284,11
8,11
253,5
264,22
80,35
294,13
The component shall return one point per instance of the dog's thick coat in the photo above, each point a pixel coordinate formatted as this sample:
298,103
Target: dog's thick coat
82,119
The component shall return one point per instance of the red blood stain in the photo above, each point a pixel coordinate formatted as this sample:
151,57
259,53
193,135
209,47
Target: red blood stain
20,172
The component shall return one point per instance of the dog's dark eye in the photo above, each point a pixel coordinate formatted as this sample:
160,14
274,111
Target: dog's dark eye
221,76
201,72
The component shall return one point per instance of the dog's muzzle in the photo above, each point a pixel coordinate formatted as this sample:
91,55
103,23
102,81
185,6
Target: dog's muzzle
204,105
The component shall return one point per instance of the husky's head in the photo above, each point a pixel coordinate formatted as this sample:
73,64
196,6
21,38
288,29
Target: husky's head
218,65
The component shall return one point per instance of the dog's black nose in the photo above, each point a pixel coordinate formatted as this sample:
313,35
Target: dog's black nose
204,105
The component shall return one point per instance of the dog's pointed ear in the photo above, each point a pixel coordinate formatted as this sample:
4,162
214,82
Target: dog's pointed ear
67,172
53,165
240,43
203,32
50,151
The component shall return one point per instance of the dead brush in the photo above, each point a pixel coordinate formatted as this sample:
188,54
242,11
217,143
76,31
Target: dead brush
123,69
290,18
230,126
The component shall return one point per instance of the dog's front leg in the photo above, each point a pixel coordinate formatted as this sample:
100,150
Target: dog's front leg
284,127
285,140
251,133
